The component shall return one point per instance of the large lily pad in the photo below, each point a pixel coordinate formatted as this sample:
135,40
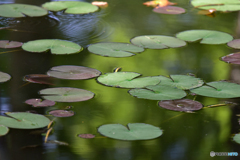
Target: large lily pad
232,58
73,72
133,131
169,10
71,7
66,94
113,49
3,130
10,44
158,92
4,77
157,42
55,45
206,36
219,5
234,43
126,80
24,120
219,90
21,10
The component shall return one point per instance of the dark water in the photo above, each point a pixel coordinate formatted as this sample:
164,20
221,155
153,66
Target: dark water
186,136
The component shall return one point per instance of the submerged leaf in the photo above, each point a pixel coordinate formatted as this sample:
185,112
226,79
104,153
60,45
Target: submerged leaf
40,102
233,58
39,78
169,10
4,77
61,113
3,130
86,136
10,44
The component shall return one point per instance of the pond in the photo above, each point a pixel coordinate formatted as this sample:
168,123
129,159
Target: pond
185,135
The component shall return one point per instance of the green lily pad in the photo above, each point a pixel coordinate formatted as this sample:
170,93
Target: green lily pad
3,130
181,81
24,120
55,45
21,10
158,92
10,44
70,7
157,42
133,131
219,90
206,36
66,94
219,5
73,72
4,77
113,49
236,138
126,80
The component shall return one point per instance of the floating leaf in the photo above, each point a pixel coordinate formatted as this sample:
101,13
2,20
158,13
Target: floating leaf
158,92
40,102
100,4
70,7
158,3
182,105
86,136
157,42
181,81
232,58
55,45
61,113
169,10
133,131
39,78
73,72
3,130
10,44
234,43
21,10
113,49
126,80
236,138
219,90
24,120
66,94
4,77
206,36
210,12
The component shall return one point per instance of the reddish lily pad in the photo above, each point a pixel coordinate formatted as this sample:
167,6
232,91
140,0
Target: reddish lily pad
61,113
234,43
169,10
39,78
4,77
86,136
40,102
181,105
10,44
232,58
73,72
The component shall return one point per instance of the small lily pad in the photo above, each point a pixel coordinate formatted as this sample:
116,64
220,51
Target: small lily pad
219,90
4,77
70,7
86,136
236,138
21,10
55,45
66,94
39,78
133,131
158,92
3,130
182,105
61,113
234,43
40,102
73,72
10,44
206,36
169,10
126,80
113,49
157,42
24,120
233,58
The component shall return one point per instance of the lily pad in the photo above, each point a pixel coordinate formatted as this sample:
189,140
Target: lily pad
55,45
234,43
21,10
113,49
86,136
66,94
126,80
133,131
236,138
219,90
40,102
219,5
61,113
39,78
182,105
70,7
206,36
24,120
4,77
181,81
73,72
158,92
232,58
157,42
169,10
10,44
3,130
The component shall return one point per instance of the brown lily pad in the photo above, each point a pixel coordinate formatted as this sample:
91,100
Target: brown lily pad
61,113
232,58
234,44
10,44
86,136
40,102
169,10
39,78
